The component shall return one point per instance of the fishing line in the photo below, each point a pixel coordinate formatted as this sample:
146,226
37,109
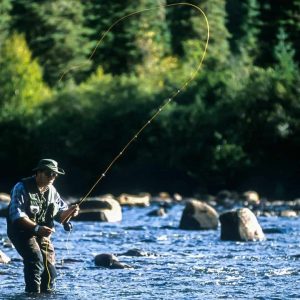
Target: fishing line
159,110
165,102
46,265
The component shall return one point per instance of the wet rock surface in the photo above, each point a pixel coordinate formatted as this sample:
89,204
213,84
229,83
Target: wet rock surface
197,215
100,209
109,261
240,225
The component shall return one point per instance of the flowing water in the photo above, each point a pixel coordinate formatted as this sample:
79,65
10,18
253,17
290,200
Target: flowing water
181,264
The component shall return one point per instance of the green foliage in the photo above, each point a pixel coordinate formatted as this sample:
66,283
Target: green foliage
139,39
250,27
152,36
5,19
99,17
218,54
273,16
244,37
284,54
238,118
188,28
181,28
291,23
56,34
22,87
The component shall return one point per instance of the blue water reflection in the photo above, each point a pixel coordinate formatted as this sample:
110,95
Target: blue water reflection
181,264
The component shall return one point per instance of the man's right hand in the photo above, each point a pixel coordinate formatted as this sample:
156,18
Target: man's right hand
26,223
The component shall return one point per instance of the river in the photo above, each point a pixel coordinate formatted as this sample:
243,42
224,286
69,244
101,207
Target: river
181,264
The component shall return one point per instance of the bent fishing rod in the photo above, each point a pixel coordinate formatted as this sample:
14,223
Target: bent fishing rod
159,110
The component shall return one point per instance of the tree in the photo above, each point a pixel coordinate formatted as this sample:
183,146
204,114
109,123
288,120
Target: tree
56,36
276,14
292,25
5,19
181,28
139,39
22,86
244,26
284,54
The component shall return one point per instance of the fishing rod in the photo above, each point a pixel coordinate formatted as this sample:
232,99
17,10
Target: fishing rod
159,110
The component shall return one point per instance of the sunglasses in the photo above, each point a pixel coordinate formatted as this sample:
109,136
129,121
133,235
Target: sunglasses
50,173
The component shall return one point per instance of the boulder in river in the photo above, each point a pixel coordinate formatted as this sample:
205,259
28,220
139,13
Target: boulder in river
252,198
288,213
240,225
134,200
198,215
110,261
136,252
100,209
159,212
4,197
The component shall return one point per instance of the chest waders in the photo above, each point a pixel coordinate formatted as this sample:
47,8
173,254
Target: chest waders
37,252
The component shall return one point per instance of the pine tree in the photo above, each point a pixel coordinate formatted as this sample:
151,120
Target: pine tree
244,26
189,30
218,53
152,39
276,14
56,35
5,19
180,26
284,54
292,25
135,40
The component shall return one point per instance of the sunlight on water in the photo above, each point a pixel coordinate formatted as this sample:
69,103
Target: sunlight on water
179,264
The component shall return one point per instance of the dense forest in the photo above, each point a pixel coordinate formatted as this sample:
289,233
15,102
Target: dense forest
235,127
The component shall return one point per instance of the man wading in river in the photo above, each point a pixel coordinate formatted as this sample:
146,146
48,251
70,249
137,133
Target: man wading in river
34,205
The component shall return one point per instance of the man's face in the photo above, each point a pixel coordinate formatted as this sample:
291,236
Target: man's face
45,177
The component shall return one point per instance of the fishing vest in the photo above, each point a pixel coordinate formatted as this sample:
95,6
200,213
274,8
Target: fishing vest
40,208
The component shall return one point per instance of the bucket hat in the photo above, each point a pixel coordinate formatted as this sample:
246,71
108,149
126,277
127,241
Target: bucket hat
50,164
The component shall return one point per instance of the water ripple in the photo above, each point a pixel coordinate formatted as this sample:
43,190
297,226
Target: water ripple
181,265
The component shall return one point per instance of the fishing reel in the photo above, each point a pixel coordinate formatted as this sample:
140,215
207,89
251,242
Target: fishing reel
68,226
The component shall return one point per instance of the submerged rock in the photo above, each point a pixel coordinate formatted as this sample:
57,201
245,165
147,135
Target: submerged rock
240,225
198,215
136,252
160,212
110,261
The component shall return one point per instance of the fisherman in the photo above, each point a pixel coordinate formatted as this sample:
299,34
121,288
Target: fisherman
34,205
